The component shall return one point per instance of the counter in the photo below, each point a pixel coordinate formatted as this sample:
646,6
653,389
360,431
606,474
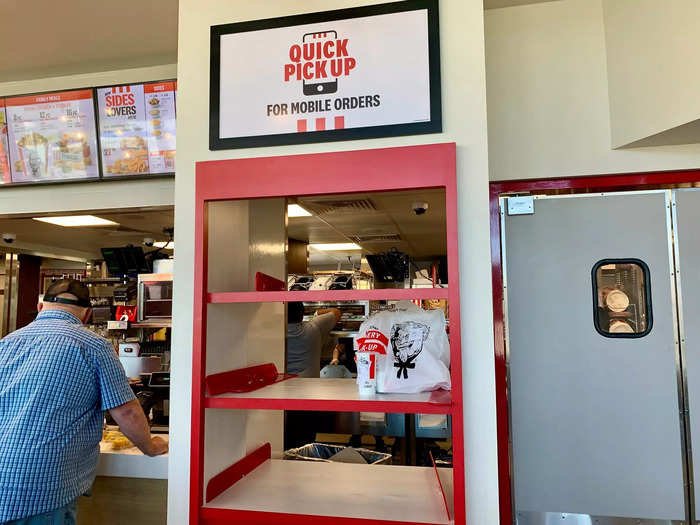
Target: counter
131,463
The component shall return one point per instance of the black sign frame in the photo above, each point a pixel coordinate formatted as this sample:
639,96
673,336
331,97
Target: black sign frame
434,125
101,176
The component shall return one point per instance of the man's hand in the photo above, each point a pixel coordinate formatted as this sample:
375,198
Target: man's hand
337,351
133,423
158,447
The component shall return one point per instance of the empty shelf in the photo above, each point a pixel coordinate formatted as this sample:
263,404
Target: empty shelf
336,395
336,490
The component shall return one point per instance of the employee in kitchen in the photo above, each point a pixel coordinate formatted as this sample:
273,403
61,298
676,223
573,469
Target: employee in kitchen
304,343
56,380
305,339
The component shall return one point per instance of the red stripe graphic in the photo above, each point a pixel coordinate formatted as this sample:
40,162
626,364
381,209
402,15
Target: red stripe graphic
46,98
303,124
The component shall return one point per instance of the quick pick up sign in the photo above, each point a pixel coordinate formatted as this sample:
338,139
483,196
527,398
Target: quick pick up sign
339,75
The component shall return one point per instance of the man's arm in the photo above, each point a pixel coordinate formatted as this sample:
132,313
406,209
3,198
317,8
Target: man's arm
337,313
132,422
325,319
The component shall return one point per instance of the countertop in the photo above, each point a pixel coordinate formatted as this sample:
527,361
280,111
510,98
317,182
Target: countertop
131,463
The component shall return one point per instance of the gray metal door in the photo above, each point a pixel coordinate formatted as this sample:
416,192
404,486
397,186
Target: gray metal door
595,425
687,231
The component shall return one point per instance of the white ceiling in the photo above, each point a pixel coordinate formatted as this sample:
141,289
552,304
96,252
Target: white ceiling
496,4
57,241
42,38
342,218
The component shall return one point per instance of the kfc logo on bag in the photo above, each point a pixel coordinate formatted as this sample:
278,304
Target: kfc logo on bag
374,341
320,60
407,340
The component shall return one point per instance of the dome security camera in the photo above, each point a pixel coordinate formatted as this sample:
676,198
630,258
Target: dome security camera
9,238
420,208
149,241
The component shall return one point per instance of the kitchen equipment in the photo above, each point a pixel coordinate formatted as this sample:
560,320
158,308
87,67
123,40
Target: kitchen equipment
620,327
302,283
163,265
101,314
130,349
617,301
341,282
125,293
125,313
154,397
155,296
135,366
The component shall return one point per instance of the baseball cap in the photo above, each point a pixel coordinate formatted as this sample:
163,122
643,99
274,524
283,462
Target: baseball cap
71,286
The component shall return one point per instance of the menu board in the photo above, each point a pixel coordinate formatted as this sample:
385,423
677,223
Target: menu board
123,133
5,176
52,136
160,118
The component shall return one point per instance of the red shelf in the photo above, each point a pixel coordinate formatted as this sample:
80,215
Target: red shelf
294,492
264,491
331,395
388,294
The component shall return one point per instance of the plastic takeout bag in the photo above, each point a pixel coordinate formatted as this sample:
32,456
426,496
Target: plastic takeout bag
412,346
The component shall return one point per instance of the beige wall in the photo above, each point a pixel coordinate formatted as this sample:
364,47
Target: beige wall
653,66
87,196
548,106
464,114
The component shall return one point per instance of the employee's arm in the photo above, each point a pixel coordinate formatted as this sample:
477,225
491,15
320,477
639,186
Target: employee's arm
133,423
333,311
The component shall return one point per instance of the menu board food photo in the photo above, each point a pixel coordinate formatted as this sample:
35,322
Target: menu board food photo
52,136
5,175
160,109
123,133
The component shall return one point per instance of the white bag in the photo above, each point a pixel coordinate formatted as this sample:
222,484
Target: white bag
413,348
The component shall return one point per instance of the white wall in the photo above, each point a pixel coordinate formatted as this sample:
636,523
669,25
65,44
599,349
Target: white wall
653,66
87,195
547,85
464,116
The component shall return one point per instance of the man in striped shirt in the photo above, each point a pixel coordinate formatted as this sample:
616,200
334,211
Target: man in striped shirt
56,380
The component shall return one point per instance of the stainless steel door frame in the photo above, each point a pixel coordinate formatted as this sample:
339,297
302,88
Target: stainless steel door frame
535,518
672,221
677,242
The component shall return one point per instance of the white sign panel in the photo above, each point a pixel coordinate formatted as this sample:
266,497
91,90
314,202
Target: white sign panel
362,72
52,136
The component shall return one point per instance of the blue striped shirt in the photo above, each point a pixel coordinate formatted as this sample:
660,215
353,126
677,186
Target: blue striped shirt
56,380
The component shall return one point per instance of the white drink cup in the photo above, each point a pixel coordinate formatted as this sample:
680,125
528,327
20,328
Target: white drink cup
366,373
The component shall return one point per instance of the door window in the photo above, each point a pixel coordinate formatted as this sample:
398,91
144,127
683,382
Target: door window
622,298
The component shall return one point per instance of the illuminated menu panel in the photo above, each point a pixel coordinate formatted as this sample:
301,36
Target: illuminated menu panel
52,136
160,118
5,176
123,131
